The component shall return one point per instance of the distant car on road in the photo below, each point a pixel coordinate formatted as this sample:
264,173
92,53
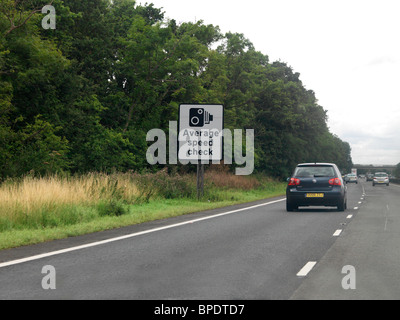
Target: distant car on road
381,178
351,178
316,184
369,177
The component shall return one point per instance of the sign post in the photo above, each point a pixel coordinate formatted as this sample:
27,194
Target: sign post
200,137
200,180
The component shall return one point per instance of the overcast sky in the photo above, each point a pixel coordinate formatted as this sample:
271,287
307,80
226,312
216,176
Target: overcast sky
347,52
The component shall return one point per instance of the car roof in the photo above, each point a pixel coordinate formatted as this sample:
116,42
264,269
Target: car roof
316,164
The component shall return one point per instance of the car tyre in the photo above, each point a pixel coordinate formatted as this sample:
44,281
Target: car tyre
342,206
290,207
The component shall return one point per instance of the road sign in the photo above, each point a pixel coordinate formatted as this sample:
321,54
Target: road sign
200,132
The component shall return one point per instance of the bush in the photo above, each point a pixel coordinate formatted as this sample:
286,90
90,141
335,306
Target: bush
220,177
111,208
163,185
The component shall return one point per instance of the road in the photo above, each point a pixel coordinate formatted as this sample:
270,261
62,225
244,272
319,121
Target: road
252,251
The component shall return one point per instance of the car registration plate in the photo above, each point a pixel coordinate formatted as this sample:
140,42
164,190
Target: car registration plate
315,195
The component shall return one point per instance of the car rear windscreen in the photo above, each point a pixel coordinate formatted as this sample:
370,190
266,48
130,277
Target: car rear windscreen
314,171
381,175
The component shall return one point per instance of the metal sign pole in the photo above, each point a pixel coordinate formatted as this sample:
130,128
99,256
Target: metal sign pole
200,180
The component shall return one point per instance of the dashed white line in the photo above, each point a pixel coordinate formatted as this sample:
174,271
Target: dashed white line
386,217
337,233
306,269
350,216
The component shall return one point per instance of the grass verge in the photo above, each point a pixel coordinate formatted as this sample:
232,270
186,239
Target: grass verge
35,210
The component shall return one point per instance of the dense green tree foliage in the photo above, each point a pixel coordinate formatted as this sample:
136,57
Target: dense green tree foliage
82,97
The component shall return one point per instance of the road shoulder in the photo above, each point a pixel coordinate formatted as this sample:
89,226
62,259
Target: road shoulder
62,244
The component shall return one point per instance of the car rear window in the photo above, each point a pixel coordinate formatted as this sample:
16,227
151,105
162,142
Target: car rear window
314,171
381,175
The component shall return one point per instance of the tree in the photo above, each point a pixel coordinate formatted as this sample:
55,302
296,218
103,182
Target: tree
83,96
19,12
397,171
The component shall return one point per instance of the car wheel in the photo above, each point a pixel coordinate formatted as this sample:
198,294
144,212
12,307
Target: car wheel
290,207
342,206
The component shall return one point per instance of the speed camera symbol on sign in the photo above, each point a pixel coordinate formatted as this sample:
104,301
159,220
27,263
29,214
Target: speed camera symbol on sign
198,117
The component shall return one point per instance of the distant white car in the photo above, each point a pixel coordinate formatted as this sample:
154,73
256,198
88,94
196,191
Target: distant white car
381,178
351,178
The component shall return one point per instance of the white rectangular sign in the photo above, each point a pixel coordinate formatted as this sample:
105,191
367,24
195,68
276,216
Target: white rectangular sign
200,132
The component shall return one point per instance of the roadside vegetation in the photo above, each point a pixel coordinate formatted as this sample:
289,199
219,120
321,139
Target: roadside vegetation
77,102
34,209
81,98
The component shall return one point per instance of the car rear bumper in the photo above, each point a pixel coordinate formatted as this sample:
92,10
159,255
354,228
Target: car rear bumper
299,198
381,182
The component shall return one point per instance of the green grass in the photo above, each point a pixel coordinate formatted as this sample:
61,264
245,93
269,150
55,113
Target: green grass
40,210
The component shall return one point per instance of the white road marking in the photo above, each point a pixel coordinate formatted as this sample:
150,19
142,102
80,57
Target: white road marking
98,243
306,269
350,216
337,233
355,208
386,216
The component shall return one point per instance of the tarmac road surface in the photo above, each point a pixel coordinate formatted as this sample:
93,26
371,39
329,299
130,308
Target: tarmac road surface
252,251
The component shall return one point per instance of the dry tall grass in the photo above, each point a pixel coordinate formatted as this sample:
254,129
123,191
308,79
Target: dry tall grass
220,177
53,201
33,194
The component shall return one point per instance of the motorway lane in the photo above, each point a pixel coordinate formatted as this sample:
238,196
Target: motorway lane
250,254
370,244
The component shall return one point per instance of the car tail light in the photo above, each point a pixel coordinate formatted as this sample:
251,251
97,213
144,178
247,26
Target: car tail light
294,182
335,182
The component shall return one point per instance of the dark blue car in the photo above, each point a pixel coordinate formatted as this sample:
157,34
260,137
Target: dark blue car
316,184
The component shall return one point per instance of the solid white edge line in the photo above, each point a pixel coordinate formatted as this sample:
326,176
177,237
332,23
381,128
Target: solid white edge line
306,269
98,243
